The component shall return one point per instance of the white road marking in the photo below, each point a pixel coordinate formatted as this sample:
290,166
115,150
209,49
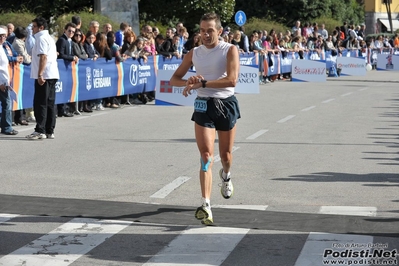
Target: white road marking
329,100
65,244
257,134
205,245
319,243
308,108
4,217
166,190
243,207
346,94
349,210
286,119
363,89
217,157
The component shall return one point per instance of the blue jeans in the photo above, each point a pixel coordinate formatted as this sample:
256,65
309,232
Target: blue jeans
6,114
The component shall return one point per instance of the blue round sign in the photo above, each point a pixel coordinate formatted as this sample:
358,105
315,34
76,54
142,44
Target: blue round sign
240,18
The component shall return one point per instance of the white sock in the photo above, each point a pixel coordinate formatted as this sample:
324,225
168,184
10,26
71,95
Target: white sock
226,176
206,202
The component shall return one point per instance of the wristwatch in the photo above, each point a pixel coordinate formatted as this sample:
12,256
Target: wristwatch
203,81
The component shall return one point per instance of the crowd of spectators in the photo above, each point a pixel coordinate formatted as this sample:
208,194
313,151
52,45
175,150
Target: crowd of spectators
75,45
306,38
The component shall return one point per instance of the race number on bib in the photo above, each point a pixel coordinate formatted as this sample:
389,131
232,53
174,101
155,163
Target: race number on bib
200,105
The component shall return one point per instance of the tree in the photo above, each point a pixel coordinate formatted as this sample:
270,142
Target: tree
288,11
47,8
388,6
189,12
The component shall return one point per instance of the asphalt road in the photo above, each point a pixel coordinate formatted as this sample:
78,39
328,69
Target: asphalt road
315,166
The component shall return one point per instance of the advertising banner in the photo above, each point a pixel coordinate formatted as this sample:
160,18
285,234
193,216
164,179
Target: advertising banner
388,62
309,70
351,66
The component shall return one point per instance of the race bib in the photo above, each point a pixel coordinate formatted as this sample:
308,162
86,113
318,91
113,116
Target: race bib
200,105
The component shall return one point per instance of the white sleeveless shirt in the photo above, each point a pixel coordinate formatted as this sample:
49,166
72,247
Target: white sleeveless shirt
211,64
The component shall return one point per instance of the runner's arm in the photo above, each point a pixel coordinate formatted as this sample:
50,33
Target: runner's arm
177,78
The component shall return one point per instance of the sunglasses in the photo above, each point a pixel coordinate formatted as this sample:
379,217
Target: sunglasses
80,35
71,31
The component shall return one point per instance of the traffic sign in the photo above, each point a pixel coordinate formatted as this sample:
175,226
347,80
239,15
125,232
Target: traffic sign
240,18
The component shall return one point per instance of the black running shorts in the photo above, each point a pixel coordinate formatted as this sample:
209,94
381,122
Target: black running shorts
221,114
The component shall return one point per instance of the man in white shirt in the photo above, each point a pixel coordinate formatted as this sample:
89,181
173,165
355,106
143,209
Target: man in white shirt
296,27
323,32
44,69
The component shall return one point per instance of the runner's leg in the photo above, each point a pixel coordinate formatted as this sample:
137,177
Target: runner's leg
205,138
226,142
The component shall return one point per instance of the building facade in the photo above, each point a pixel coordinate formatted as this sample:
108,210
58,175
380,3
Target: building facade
376,16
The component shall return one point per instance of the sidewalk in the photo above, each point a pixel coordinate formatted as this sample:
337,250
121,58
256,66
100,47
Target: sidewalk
371,76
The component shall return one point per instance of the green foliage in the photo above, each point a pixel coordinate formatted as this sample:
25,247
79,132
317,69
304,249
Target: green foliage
17,18
330,23
289,11
263,24
86,18
188,12
47,8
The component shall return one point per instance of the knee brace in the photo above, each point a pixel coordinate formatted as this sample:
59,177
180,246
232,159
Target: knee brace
205,166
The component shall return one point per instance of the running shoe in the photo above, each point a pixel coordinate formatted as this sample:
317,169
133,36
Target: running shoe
227,186
204,213
36,135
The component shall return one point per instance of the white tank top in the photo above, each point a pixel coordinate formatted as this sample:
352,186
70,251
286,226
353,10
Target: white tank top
211,64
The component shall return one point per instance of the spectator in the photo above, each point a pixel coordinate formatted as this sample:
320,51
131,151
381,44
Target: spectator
10,33
91,51
19,44
379,42
44,69
168,40
159,40
244,42
94,27
175,46
323,32
5,99
305,30
129,38
237,41
182,39
107,28
119,35
329,46
113,101
362,31
20,49
65,51
296,27
155,31
14,58
136,50
147,34
77,45
79,51
30,40
352,44
101,46
77,21
396,41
